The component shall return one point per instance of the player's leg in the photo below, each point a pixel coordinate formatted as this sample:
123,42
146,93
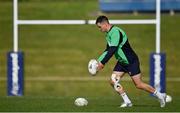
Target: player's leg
115,83
116,76
137,79
141,85
135,73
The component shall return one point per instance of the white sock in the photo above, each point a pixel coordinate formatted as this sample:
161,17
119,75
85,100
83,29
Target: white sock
157,94
125,98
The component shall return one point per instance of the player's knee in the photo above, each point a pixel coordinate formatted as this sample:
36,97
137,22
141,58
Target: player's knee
139,86
118,87
114,79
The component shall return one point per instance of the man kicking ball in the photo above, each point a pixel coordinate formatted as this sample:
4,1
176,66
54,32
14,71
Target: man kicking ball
127,61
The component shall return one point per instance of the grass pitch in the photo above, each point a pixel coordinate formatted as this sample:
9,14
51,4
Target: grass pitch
59,96
96,104
104,103
55,54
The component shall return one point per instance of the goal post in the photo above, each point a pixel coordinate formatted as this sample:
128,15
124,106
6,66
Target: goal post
15,61
158,59
17,67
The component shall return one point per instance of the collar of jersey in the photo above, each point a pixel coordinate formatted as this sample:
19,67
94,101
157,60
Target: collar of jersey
110,28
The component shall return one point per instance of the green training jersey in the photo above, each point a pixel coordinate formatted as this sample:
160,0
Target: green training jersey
117,38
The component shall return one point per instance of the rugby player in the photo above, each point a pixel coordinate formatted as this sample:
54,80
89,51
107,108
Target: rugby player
127,61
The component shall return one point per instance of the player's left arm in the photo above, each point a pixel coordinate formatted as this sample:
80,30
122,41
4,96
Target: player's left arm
109,53
113,46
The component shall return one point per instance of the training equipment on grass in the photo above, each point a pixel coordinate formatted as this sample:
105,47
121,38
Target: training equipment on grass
92,66
81,102
168,98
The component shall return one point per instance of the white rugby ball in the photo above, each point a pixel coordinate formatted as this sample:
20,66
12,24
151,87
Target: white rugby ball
81,102
168,98
92,66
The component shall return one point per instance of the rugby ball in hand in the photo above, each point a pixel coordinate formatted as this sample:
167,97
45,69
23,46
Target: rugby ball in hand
92,66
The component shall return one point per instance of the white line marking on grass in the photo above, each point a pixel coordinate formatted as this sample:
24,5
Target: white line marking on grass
56,78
